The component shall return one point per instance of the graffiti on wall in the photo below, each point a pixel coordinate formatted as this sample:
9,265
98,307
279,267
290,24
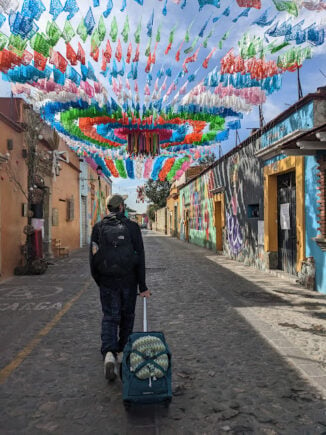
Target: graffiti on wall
234,234
197,209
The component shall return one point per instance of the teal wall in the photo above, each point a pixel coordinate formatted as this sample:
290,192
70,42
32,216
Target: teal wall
312,249
301,119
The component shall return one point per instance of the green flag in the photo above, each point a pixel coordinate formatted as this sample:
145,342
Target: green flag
137,33
68,32
125,31
82,31
288,6
158,34
3,41
193,45
53,32
148,48
101,29
114,30
187,36
17,44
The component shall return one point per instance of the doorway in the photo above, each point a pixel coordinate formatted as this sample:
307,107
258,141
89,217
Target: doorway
218,225
286,218
83,221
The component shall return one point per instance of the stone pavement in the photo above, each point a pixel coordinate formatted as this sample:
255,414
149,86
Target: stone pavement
248,350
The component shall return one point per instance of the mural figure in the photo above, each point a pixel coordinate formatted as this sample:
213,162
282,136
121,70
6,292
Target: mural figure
234,234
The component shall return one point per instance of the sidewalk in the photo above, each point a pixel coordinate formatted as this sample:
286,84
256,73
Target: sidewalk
296,328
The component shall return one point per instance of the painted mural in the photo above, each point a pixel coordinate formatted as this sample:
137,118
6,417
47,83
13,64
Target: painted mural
197,212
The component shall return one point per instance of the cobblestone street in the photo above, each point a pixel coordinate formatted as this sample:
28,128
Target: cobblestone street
248,350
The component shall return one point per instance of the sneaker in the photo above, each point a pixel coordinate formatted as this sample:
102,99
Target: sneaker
110,369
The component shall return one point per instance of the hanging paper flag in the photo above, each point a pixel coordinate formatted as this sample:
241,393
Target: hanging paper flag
137,33
136,57
234,125
118,51
72,8
101,29
123,6
31,9
177,56
289,6
164,10
136,86
108,51
184,4
149,63
205,42
245,13
119,164
125,31
114,29
109,8
140,2
316,36
55,8
158,34
148,48
168,72
2,19
225,13
263,20
249,4
202,31
171,39
39,61
81,54
193,45
73,75
129,52
205,63
224,37
95,52
82,30
40,44
154,54
71,55
187,35
223,135
89,21
189,59
96,3
202,3
53,32
150,25
68,32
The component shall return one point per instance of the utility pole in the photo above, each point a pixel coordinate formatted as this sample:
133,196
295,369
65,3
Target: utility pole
261,116
300,93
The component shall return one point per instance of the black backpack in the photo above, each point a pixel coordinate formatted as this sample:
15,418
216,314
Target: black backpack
116,256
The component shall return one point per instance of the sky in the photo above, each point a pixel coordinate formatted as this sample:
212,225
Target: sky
312,73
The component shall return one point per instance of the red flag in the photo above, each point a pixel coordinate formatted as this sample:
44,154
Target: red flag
168,48
129,52
136,57
205,63
177,56
81,54
118,51
108,52
39,61
71,55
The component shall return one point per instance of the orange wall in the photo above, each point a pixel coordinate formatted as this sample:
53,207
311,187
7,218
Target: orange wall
65,186
11,199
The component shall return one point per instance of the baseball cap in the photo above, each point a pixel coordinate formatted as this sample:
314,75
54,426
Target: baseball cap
115,200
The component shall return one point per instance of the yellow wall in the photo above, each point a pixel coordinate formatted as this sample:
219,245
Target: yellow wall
65,186
11,199
270,204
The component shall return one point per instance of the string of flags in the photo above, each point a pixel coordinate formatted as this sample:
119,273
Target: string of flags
143,95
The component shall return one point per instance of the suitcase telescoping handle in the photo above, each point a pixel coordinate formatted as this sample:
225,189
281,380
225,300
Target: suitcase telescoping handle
145,315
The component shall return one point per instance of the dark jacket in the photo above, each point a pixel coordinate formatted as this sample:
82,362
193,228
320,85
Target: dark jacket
137,277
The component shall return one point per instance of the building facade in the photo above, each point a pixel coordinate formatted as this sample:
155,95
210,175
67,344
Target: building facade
263,203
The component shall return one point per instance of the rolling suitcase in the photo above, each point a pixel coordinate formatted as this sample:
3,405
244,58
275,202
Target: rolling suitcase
146,368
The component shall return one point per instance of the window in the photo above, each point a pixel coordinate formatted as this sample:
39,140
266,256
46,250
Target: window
70,209
253,211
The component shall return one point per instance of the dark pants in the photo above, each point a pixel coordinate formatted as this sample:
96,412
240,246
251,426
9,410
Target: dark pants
118,306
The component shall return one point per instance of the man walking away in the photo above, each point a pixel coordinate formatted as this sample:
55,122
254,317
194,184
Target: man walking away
117,262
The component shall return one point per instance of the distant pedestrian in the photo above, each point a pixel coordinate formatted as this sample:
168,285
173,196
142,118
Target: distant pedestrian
117,261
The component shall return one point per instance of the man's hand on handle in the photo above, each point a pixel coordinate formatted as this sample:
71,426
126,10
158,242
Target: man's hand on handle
145,294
